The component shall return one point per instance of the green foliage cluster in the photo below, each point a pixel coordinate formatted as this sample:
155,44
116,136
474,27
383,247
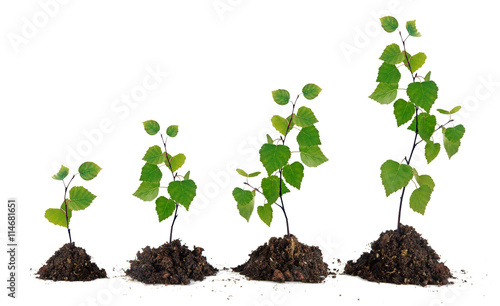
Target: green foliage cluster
275,156
416,107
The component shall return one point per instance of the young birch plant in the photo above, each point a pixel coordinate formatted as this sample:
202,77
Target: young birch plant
181,189
79,197
275,156
421,93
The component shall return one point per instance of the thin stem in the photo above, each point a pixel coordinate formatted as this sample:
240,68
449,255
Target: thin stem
173,221
164,140
66,206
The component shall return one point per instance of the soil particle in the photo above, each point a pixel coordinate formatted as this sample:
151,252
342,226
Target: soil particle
170,263
70,263
285,259
400,259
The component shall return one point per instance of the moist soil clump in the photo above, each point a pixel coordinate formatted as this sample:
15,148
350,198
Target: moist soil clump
400,259
70,263
169,264
285,259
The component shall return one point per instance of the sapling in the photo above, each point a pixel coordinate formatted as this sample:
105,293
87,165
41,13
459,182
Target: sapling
422,92
79,197
181,189
275,156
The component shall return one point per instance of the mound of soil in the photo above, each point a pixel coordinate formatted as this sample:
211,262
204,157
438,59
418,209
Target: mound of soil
70,263
170,263
285,259
400,259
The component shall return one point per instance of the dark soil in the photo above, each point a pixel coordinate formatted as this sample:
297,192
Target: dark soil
400,259
70,263
285,259
171,263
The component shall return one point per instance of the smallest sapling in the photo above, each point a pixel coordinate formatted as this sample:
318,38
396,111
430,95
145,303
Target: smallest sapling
79,197
181,189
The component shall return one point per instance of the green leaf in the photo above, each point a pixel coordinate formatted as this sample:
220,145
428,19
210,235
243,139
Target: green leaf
154,155
274,157
242,173
266,213
305,117
388,73
419,199
392,55
294,174
423,94
311,91
57,216
271,188
61,175
280,124
152,127
186,176
177,161
281,96
427,76
417,61
389,23
148,191
403,111
312,156
431,151
385,93
80,198
253,174
425,180
442,111
454,134
150,173
88,170
164,208
172,130
450,147
308,136
412,29
245,202
269,139
426,125
455,109
395,176
182,192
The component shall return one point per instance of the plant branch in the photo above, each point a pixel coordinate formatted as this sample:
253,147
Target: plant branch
166,155
66,205
173,221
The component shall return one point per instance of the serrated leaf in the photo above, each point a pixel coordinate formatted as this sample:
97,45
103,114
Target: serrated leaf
241,172
305,117
431,151
80,198
61,175
254,174
308,136
311,91
245,200
154,155
151,127
266,213
389,23
271,188
56,216
412,28
147,191
425,180
455,109
164,208
182,192
293,174
417,61
281,96
312,156
388,73
423,94
246,210
385,93
269,139
274,157
392,55
450,147
442,111
403,111
88,170
173,130
150,173
177,161
426,125
395,176
280,124
419,199
454,134
427,76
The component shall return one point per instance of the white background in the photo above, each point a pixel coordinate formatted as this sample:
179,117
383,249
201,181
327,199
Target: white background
71,74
